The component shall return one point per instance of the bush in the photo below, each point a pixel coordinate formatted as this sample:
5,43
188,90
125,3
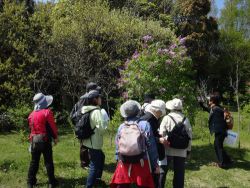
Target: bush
18,116
5,123
245,117
90,42
160,68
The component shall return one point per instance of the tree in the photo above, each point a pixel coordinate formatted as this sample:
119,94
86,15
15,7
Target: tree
17,53
29,4
236,53
214,9
162,69
89,43
236,15
153,9
201,33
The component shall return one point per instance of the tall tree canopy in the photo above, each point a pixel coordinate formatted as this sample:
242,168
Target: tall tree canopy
236,16
201,32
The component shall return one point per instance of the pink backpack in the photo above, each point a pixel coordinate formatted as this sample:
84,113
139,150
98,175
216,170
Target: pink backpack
131,143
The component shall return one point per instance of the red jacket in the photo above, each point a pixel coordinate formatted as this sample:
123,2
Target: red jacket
40,119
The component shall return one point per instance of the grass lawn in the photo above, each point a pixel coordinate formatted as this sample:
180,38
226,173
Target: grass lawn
15,158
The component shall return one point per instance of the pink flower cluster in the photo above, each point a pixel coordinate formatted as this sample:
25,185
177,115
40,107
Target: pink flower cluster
147,38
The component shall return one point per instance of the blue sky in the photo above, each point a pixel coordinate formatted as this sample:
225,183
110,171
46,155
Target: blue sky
219,3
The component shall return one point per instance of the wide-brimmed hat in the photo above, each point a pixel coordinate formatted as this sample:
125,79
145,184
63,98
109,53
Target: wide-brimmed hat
42,101
175,104
158,105
130,108
93,86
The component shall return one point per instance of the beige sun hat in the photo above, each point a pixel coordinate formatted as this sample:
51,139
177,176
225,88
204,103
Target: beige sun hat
158,105
175,104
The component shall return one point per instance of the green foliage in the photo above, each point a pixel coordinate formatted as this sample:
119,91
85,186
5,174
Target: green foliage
115,121
89,42
19,40
235,51
235,16
161,69
245,117
200,127
19,115
5,123
155,9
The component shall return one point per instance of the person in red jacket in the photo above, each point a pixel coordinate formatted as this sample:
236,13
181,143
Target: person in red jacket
43,130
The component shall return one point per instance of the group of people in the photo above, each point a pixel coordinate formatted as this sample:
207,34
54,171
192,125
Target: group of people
147,169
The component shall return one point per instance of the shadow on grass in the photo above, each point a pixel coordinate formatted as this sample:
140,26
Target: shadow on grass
68,164
73,182
110,167
7,165
76,182
67,183
204,155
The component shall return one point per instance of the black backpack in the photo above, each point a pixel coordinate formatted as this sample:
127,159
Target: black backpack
178,137
83,128
76,114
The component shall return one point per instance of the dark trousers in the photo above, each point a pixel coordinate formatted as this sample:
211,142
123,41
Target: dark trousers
221,154
96,165
46,150
179,172
156,179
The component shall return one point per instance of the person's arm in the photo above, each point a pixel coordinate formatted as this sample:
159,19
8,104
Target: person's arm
189,131
162,129
152,148
98,121
205,108
163,132
52,125
116,143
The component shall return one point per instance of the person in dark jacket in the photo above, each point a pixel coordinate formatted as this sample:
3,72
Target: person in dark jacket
218,127
43,127
155,111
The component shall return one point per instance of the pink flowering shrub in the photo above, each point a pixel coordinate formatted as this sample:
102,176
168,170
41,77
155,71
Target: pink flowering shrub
164,70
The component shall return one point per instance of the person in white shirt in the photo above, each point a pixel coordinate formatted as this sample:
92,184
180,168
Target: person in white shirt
178,156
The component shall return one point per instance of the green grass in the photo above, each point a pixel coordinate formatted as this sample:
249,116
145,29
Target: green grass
15,158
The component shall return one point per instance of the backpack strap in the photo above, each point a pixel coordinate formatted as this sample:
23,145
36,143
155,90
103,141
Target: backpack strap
81,141
90,125
176,122
168,132
183,120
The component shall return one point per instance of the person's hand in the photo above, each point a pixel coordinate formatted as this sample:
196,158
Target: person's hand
188,155
164,141
157,170
55,141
